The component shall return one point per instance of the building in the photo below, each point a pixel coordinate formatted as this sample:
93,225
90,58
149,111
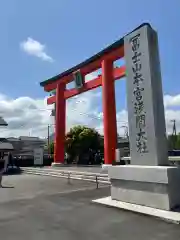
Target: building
24,146
123,146
5,145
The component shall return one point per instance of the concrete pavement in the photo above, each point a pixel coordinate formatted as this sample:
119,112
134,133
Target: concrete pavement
50,208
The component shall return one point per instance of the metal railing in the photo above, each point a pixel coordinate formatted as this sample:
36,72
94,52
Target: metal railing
97,178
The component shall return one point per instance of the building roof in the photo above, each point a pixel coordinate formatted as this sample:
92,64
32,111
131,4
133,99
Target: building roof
5,145
3,122
28,138
95,57
13,139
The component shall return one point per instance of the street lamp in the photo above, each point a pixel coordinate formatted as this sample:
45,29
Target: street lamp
126,131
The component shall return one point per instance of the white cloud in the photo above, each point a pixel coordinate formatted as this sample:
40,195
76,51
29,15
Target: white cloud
91,76
122,122
170,113
24,115
35,48
31,116
172,101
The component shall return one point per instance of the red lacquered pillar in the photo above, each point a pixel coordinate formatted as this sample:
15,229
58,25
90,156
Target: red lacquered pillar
60,124
109,112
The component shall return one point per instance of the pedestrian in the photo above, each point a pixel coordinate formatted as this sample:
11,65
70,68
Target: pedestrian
3,165
2,162
10,160
6,161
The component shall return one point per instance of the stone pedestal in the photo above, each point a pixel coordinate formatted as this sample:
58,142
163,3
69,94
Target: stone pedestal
57,164
152,186
105,167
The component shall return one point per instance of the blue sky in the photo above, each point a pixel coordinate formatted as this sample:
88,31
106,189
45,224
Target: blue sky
73,31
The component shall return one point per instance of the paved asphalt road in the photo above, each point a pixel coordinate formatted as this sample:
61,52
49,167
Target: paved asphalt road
45,208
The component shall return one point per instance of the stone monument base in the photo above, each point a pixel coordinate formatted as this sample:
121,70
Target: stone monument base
169,216
105,167
58,164
151,186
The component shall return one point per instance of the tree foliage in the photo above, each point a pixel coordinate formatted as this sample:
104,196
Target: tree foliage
174,142
81,140
51,148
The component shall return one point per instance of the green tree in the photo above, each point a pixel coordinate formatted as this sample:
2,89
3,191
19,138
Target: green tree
51,148
174,142
178,141
81,141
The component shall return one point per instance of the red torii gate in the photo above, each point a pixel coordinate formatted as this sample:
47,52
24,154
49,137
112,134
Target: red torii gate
103,60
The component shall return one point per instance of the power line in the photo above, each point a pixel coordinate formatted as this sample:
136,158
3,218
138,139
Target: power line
80,113
45,124
73,109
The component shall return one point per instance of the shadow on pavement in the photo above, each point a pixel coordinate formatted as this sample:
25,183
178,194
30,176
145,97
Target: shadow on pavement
7,187
13,171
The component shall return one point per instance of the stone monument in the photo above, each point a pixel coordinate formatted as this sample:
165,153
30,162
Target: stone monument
148,181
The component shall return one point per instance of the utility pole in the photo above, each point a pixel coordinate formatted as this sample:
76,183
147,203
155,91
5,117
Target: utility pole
174,127
174,133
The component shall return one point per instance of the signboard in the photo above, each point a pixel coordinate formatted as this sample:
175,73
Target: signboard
118,155
79,79
53,92
148,143
38,156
